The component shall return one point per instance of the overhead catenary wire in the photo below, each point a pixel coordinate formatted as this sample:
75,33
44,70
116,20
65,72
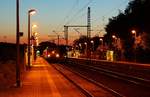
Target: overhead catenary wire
79,11
70,17
103,18
111,11
68,14
78,17
75,14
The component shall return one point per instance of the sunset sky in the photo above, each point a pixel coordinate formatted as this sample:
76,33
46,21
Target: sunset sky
52,15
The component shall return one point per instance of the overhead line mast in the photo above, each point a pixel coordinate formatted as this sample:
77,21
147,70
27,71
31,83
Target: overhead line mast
88,27
89,23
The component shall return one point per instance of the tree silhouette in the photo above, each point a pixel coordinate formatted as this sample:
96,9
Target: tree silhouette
136,16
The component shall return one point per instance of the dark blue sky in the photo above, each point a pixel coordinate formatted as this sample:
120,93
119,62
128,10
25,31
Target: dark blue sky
53,14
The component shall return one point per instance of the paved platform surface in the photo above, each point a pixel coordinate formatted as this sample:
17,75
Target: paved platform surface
42,81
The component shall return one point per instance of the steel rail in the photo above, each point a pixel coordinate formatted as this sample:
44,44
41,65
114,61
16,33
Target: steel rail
84,91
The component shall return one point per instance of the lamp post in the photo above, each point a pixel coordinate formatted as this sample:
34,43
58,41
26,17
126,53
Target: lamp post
30,12
135,44
135,36
92,42
32,30
134,32
18,47
115,47
34,26
85,48
101,40
33,34
80,44
113,36
33,41
115,40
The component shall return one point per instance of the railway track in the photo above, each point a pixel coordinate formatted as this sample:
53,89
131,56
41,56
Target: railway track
123,80
84,91
134,86
121,76
98,90
136,70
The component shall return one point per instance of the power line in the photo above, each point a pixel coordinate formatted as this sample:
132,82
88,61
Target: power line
79,17
68,14
112,10
105,15
79,11
76,14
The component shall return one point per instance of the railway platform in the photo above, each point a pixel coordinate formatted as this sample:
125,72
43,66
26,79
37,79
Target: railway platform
43,81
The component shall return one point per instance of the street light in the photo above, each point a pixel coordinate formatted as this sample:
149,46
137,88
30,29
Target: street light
33,42
134,32
80,45
115,39
92,44
135,44
92,41
33,33
85,48
101,41
30,12
34,26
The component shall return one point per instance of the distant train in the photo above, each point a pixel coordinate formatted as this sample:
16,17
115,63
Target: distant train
51,54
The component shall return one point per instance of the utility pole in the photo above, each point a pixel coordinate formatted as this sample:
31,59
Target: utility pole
58,40
66,34
88,32
89,23
30,12
18,47
29,42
